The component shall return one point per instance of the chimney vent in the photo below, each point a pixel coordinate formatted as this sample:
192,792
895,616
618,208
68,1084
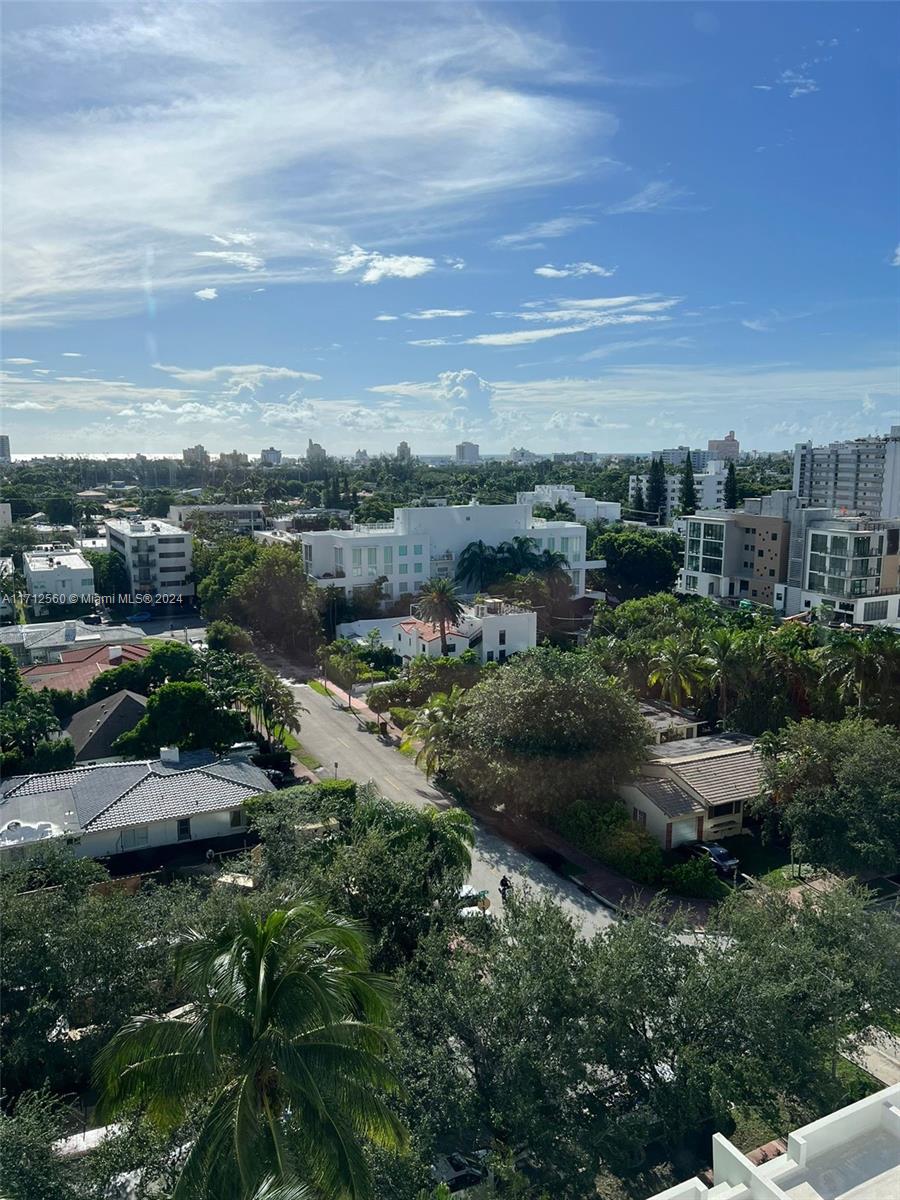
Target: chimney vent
170,756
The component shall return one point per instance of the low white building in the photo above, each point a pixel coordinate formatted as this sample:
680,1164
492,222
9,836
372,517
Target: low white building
852,1154
494,629
709,484
7,571
158,556
113,808
422,543
57,575
242,518
585,508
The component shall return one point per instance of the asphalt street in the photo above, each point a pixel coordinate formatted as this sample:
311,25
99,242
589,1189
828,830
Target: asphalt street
337,741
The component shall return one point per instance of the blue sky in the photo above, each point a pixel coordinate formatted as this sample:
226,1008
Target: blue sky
603,226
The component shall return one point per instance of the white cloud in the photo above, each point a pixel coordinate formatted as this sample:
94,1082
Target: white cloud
895,262
799,83
577,270
578,316
22,362
72,354
430,342
234,379
235,258
432,314
385,317
533,234
757,324
209,122
375,266
207,293
660,194
455,264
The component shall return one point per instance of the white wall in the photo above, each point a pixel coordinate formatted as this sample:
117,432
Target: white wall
159,833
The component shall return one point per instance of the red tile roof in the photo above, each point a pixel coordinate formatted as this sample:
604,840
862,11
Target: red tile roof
427,632
77,668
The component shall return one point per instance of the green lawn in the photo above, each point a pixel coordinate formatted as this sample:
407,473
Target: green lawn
767,863
318,686
300,752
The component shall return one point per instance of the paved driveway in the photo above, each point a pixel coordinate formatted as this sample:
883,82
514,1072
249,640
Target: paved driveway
334,737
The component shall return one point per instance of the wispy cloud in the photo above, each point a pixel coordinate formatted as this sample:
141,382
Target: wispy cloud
757,324
386,317
532,236
432,314
552,320
282,139
371,267
660,194
21,362
895,261
207,293
72,354
577,270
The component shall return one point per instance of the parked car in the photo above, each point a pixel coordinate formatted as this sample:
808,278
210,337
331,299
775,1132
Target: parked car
140,617
93,619
723,860
458,1171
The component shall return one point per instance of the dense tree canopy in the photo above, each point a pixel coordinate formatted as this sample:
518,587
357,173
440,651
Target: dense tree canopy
184,715
639,561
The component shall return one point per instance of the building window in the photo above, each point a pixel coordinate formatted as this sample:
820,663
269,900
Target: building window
139,835
690,582
388,559
357,557
875,610
404,568
417,549
236,818
451,647
403,551
184,829
339,557
502,637
418,568
372,556
490,656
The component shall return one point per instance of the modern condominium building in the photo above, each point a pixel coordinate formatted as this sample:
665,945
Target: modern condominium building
860,477
242,518
674,456
158,556
726,449
740,555
421,543
468,453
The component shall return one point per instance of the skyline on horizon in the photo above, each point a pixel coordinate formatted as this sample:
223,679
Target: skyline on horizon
611,227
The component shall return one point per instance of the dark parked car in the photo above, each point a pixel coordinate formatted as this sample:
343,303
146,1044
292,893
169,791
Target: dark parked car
723,860
140,617
93,619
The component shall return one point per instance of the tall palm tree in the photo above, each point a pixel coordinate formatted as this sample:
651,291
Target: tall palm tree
431,729
552,567
440,605
477,565
285,1037
519,555
677,670
856,665
723,647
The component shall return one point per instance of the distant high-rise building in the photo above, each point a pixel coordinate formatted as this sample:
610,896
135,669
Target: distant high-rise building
674,456
467,454
236,458
195,456
315,453
724,449
861,476
361,458
403,452
270,457
5,455
708,483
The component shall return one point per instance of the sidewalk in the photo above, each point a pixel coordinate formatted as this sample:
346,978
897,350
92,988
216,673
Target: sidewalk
361,710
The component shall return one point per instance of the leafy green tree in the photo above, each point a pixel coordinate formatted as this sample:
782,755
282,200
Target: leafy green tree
862,667
477,566
677,670
183,715
834,790
687,493
638,561
440,605
373,509
431,731
275,598
730,493
225,635
541,732
31,1170
60,510
10,679
637,503
110,573
285,1038
656,489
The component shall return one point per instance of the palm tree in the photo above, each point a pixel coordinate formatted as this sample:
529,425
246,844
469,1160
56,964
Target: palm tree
430,730
285,1037
552,567
677,670
451,835
440,605
562,511
477,565
723,648
518,556
856,665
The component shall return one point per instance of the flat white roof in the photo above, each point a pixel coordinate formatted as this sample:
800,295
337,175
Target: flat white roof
51,560
145,527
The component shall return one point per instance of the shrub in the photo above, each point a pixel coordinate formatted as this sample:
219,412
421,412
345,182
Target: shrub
402,716
225,635
603,830
696,877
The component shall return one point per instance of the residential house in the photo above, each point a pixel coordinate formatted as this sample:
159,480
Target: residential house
93,730
73,670
695,789
45,643
113,808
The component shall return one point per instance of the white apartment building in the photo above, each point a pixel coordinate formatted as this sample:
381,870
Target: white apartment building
7,571
585,508
270,457
674,456
158,556
850,570
242,518
709,484
195,456
57,575
5,455
468,453
851,1154
421,543
860,477
494,629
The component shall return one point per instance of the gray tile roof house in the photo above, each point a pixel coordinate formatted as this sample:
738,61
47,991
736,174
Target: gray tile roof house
40,641
94,803
94,729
